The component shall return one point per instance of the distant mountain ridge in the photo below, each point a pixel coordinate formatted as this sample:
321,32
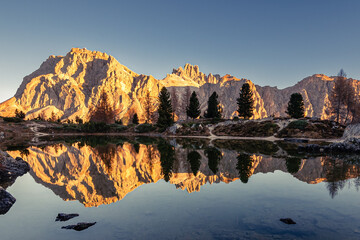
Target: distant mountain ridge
69,85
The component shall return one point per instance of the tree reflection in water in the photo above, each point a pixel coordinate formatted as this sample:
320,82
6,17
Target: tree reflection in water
293,164
137,147
194,159
167,158
214,156
244,165
338,173
106,153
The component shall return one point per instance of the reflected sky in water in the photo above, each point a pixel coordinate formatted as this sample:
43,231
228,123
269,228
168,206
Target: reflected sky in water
157,190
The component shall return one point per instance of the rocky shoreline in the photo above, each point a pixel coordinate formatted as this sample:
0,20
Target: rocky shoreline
10,169
349,146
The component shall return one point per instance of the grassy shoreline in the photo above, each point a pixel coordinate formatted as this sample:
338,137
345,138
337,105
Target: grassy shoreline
17,130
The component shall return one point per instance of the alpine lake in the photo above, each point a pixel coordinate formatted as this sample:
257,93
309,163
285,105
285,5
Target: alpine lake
182,188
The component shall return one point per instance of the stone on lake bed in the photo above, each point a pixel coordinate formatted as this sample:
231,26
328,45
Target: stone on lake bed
80,226
287,220
62,217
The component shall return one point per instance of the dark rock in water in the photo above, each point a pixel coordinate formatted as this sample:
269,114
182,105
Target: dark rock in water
6,201
80,226
11,168
287,220
62,217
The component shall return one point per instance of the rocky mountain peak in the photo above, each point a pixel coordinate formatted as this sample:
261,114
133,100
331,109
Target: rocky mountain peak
70,85
192,73
323,77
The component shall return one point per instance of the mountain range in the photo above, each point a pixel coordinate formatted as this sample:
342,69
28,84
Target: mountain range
68,86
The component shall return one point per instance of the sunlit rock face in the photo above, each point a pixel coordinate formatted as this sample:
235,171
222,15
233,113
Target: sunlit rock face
106,174
315,90
69,85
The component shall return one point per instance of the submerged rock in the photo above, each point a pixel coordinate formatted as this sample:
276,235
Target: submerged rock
287,220
62,217
6,201
80,226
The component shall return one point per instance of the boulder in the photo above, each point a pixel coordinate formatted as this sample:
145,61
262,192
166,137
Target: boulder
174,128
352,131
6,201
11,168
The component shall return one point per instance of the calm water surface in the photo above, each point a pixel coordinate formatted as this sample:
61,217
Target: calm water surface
156,189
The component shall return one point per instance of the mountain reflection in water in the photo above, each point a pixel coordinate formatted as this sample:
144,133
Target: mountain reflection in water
102,172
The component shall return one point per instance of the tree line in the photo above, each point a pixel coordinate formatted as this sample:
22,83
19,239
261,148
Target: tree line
344,101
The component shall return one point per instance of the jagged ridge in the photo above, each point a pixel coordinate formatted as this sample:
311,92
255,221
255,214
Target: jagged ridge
69,85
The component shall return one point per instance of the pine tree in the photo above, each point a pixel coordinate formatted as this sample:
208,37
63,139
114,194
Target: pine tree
295,107
214,109
135,119
103,111
165,109
245,102
174,101
193,110
185,100
19,114
148,108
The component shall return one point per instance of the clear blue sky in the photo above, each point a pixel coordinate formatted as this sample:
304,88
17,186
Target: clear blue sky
274,43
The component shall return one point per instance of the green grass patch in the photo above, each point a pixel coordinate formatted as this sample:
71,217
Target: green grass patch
299,124
145,128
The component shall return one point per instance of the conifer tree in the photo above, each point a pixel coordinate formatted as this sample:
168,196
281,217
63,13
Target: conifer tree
185,100
245,102
342,97
193,110
165,109
148,108
103,111
214,109
296,107
19,114
135,119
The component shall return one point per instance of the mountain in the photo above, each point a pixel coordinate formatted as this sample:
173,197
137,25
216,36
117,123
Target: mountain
70,85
